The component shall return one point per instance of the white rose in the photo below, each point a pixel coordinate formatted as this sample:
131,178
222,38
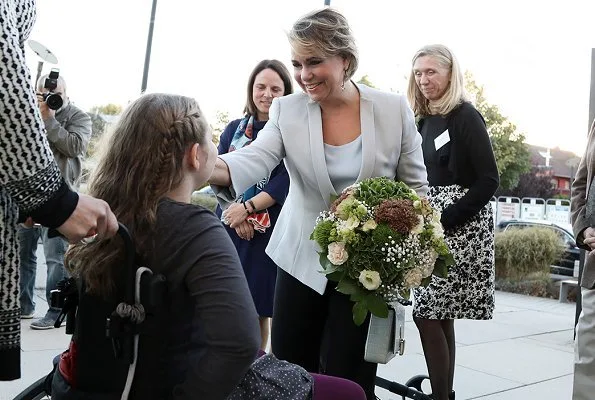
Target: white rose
370,225
344,228
413,278
438,229
337,254
351,223
419,228
370,279
417,204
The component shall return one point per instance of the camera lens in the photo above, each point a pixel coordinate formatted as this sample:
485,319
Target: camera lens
54,101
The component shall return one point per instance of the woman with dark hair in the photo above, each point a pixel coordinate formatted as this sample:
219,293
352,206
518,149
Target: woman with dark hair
256,210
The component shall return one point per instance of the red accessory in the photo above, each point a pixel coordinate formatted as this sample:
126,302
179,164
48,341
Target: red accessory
67,364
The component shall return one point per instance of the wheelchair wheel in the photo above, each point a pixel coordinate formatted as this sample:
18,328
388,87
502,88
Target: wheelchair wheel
416,382
35,391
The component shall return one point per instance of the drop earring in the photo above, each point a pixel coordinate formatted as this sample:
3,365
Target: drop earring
343,83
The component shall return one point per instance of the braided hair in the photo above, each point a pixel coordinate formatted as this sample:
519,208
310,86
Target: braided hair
141,163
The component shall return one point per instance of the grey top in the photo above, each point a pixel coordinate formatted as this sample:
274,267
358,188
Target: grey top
212,336
69,133
343,163
208,336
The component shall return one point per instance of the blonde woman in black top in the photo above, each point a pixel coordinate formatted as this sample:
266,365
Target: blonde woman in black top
463,177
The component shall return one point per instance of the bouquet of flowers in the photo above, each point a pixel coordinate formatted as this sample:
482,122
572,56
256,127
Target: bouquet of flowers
379,240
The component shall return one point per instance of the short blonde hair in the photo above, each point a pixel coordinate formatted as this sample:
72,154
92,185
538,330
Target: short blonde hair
325,32
455,92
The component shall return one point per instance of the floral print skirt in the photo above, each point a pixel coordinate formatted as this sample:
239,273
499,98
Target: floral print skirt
468,290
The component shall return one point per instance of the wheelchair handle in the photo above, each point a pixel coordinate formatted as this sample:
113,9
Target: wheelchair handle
129,254
128,257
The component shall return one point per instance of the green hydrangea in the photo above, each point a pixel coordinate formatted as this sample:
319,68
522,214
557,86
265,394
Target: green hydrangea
351,207
322,233
347,236
374,191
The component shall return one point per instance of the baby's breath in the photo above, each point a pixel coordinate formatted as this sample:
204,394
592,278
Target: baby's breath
399,257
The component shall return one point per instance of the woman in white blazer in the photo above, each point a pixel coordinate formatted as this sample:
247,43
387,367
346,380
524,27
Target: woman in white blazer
330,136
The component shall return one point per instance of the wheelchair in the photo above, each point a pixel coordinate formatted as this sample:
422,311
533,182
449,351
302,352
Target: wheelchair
121,327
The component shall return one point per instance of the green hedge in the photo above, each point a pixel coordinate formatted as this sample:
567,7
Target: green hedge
527,252
205,201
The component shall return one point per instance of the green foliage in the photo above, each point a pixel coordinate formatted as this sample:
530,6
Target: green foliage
107,109
208,202
512,154
359,313
322,233
99,124
540,285
365,80
221,121
442,264
560,196
350,207
532,184
375,191
382,232
373,261
527,251
94,144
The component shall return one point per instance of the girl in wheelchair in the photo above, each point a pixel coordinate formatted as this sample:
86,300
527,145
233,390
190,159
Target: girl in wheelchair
196,334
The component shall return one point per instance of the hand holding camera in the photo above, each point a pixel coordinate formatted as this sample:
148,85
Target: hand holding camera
50,101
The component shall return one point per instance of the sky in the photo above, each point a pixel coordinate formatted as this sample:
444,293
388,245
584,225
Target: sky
533,58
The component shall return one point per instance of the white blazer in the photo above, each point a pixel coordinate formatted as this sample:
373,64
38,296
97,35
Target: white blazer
391,147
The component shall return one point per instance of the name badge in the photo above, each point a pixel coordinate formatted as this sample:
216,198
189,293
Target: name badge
441,140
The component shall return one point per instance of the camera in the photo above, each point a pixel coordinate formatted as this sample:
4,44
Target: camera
53,100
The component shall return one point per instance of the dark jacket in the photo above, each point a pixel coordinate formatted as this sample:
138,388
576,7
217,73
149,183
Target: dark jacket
471,161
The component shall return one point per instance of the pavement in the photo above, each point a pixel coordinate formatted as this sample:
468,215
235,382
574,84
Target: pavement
525,352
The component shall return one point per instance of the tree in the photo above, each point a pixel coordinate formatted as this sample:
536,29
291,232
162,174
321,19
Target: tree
512,154
108,109
535,183
99,123
365,80
222,119
97,112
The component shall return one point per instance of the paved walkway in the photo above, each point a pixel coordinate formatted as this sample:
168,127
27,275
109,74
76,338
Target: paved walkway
525,352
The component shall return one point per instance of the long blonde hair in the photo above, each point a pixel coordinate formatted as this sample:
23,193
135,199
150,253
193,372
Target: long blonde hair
455,92
143,162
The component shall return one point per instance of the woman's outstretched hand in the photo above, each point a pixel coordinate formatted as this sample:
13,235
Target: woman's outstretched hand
220,175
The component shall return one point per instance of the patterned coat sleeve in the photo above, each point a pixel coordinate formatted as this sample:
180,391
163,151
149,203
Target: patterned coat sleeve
28,171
